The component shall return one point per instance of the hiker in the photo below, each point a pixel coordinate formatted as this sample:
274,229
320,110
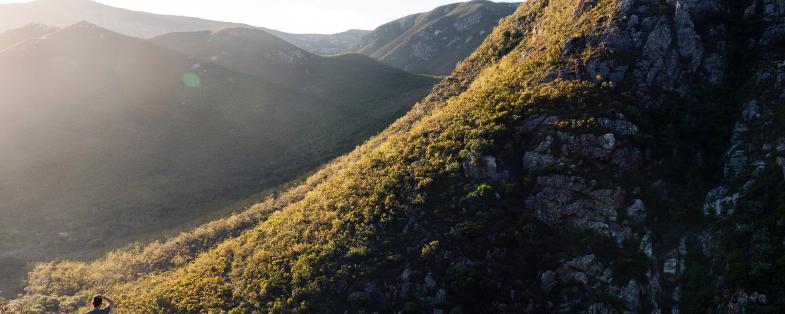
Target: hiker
97,301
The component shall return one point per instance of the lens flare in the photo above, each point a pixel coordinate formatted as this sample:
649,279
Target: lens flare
191,80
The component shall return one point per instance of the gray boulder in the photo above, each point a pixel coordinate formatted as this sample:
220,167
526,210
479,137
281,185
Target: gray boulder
548,280
637,211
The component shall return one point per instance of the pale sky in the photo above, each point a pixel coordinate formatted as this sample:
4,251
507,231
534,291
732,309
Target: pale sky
294,16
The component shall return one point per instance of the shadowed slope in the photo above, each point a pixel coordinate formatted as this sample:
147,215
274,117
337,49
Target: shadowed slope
108,138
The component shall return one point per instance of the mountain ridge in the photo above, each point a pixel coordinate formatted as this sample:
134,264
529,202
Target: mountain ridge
61,13
434,42
322,44
33,30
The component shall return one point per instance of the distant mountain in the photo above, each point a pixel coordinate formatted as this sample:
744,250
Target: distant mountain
341,79
251,51
16,36
325,44
62,13
106,137
427,43
434,42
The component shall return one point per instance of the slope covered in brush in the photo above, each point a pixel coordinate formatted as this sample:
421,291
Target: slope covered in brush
590,156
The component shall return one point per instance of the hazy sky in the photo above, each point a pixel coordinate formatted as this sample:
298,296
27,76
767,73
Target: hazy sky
295,16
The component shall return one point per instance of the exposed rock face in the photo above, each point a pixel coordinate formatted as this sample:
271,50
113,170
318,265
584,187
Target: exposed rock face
571,200
548,280
582,180
637,211
576,177
484,167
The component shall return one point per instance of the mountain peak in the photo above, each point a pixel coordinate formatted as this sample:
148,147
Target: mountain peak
35,25
84,24
86,27
30,31
32,28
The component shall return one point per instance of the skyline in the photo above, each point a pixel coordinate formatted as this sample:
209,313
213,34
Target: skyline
292,16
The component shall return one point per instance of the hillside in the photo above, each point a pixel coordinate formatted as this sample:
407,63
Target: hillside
434,42
342,79
108,138
600,156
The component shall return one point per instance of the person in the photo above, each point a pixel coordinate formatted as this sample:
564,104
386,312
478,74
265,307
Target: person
98,300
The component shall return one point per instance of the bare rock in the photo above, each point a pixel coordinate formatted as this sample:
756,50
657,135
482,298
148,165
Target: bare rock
637,211
483,167
671,266
587,264
630,296
588,145
719,203
576,277
619,126
548,280
570,200
407,274
535,162
627,158
751,111
646,246
430,282
689,43
583,6
607,141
